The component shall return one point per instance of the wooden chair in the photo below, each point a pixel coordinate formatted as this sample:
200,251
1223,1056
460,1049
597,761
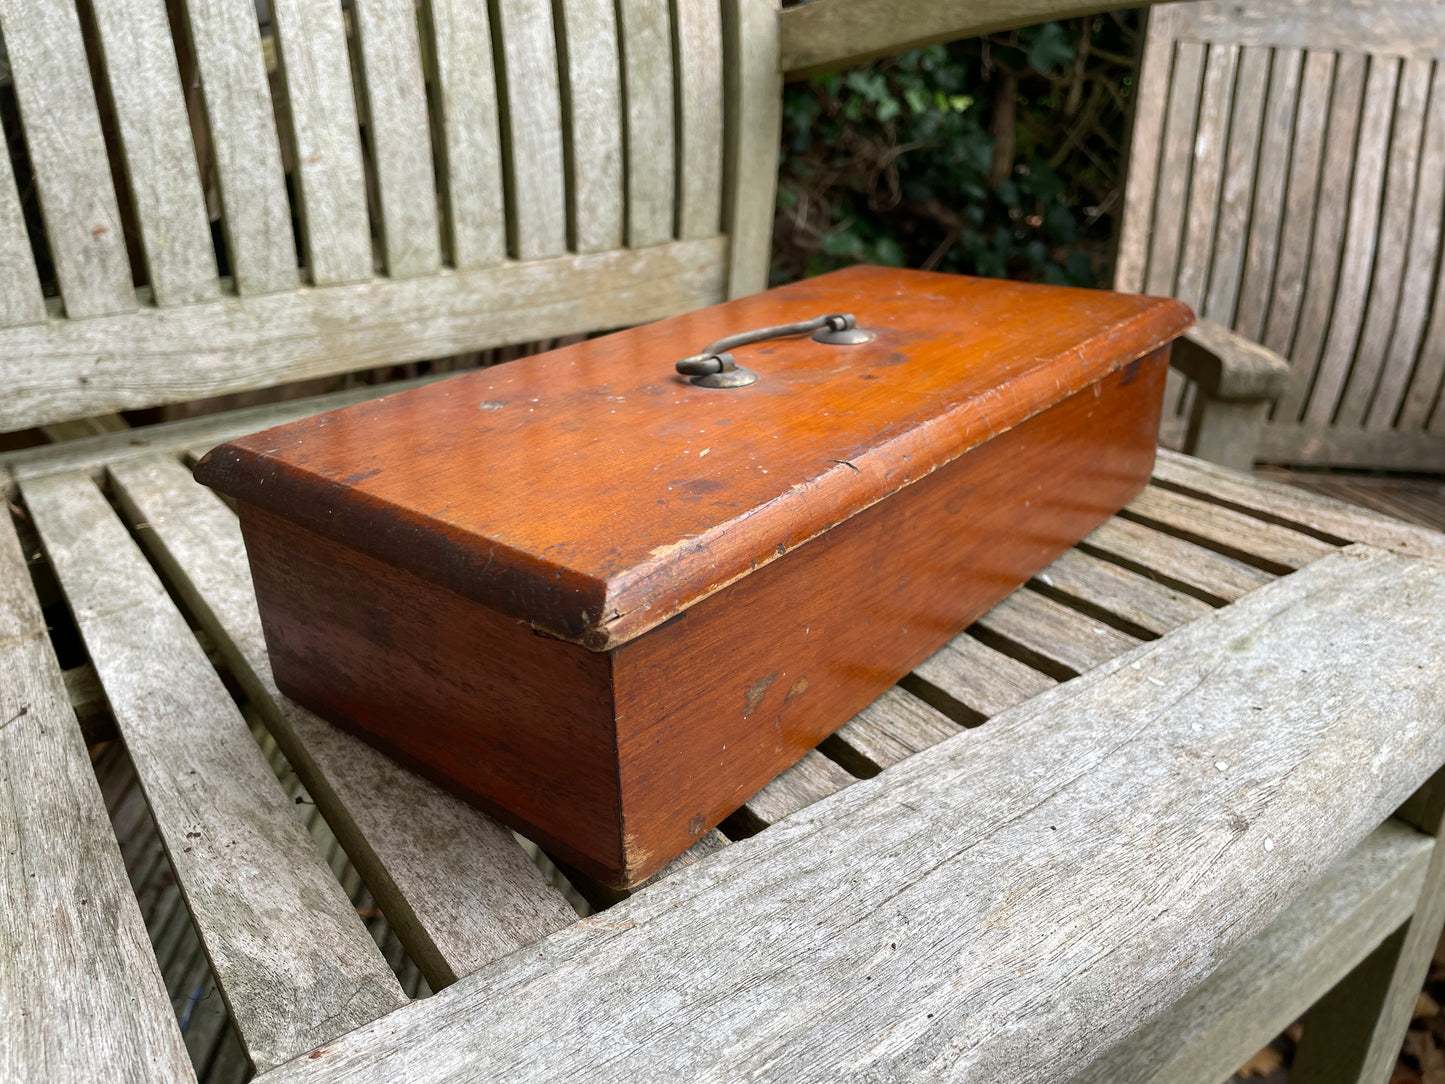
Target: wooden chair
912,898
1285,179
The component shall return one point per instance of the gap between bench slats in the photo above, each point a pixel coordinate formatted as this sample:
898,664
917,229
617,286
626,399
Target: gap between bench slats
81,996
286,945
453,883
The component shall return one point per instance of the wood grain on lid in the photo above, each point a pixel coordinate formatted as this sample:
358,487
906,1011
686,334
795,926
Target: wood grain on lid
594,493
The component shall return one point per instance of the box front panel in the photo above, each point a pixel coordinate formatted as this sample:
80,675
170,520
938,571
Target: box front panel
517,723
716,702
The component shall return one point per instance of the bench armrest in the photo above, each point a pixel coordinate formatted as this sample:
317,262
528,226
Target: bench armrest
1236,381
1228,366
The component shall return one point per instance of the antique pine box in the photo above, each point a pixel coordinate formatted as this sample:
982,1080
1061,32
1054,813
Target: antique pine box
608,605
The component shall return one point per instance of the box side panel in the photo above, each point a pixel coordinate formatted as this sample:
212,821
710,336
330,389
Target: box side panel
716,702
517,723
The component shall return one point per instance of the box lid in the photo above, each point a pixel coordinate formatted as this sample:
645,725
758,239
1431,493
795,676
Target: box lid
592,492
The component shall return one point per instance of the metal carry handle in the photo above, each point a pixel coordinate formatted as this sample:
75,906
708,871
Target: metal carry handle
714,367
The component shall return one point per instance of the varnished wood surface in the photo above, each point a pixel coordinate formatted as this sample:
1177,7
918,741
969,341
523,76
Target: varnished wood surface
523,487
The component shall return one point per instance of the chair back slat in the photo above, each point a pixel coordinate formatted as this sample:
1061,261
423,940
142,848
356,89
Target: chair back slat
260,244
700,119
1143,166
1331,220
68,156
645,27
160,158
1241,162
466,129
311,39
1312,116
532,120
1418,283
1287,179
592,96
1392,245
21,300
1172,184
397,122
1345,315
1272,176
1206,174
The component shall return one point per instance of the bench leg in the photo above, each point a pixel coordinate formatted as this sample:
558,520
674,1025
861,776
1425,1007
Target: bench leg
1225,431
1353,1034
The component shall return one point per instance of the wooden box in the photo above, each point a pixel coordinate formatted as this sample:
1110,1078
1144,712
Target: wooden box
608,605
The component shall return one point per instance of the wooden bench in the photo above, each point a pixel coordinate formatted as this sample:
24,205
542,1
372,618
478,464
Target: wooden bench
912,899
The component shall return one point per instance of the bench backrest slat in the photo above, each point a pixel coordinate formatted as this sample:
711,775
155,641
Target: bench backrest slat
1279,184
648,91
326,146
466,133
396,117
243,141
160,159
67,153
593,108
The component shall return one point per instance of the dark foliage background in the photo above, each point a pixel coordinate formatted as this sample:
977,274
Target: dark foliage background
998,156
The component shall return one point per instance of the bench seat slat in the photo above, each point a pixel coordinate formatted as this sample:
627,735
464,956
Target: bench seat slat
1233,532
452,882
1173,560
1270,982
894,727
81,996
1055,632
1300,507
296,962
1087,579
1046,868
67,153
980,678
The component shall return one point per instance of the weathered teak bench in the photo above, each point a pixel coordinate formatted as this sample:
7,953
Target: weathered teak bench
925,897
